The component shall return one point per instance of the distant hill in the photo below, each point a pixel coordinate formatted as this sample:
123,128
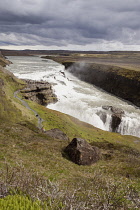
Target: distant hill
59,52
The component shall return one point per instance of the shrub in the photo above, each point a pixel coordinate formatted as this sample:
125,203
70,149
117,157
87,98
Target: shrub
27,190
20,202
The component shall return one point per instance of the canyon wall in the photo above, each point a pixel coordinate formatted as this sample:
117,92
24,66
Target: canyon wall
121,82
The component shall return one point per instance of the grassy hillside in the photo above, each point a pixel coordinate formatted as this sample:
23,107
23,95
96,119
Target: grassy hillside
35,169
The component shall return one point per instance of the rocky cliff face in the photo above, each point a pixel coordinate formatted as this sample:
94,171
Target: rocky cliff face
1,54
39,91
116,115
115,80
3,60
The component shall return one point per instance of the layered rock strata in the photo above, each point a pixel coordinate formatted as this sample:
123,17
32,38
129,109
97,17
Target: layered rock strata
39,91
121,82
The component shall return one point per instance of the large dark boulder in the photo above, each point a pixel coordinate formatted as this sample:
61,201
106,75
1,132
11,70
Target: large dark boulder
81,152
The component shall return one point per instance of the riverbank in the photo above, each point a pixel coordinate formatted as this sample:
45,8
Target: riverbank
107,72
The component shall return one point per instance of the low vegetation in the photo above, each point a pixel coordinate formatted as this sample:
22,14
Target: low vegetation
35,173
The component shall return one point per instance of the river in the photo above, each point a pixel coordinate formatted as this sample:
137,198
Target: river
77,98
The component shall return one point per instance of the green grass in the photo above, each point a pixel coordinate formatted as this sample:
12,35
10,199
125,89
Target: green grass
10,108
120,154
29,156
75,128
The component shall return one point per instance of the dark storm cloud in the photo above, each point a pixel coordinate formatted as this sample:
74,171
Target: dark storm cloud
53,22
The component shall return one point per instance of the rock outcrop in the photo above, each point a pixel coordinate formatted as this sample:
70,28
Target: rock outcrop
81,152
116,114
57,134
1,55
39,91
3,60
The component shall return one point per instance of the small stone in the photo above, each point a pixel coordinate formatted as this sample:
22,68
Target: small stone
57,134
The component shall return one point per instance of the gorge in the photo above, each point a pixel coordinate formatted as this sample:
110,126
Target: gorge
78,98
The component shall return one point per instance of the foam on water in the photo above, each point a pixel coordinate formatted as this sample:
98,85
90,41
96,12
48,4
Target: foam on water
77,98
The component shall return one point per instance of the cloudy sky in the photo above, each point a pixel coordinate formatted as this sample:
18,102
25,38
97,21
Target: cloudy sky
70,24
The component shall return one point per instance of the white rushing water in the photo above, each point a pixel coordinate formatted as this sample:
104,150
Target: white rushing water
77,98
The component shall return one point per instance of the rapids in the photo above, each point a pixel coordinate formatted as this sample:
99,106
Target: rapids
77,98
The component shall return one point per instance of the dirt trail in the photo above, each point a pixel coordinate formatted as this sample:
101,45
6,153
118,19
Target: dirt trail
40,120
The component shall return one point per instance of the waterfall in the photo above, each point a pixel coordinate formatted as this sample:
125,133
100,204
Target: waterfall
78,98
129,126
